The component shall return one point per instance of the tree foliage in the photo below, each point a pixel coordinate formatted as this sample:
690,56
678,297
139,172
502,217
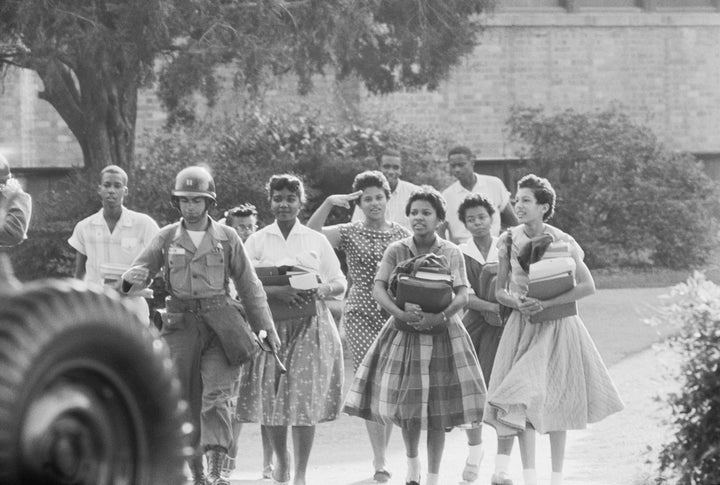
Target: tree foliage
625,198
93,56
242,153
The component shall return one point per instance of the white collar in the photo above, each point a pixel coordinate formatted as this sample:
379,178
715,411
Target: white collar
98,219
471,250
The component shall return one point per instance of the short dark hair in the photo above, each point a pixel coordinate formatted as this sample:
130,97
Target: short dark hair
431,195
242,210
116,170
390,152
371,178
543,191
461,150
286,181
474,200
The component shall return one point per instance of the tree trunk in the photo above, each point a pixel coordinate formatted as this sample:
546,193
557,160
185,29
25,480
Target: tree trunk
99,105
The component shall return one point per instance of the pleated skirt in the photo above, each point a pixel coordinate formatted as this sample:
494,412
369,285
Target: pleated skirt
412,379
548,375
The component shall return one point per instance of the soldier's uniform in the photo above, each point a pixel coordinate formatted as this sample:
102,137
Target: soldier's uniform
202,329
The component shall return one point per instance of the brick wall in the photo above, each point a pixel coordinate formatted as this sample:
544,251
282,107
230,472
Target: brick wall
662,67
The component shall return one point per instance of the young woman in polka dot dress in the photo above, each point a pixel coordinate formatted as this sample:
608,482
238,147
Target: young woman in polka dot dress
364,244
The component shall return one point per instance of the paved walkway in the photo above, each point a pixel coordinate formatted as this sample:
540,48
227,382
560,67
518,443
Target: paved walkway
621,450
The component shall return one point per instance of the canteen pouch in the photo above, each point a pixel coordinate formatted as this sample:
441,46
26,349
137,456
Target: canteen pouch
233,332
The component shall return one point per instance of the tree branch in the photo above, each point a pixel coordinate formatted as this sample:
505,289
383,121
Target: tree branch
60,91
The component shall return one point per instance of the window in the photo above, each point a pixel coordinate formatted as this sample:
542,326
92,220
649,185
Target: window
685,4
606,3
539,4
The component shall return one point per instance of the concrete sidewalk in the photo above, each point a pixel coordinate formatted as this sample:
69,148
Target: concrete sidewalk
612,452
615,451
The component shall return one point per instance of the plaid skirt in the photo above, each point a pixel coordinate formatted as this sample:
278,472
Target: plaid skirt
412,379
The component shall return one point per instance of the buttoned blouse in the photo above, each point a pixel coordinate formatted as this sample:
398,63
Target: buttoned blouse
268,247
92,237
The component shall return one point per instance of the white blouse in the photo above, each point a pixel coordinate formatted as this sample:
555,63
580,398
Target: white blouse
303,247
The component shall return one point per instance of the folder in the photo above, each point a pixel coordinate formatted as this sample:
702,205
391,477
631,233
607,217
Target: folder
550,287
283,276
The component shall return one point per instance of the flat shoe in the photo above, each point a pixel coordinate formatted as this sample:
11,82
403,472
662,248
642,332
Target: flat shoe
283,480
267,472
501,478
470,472
382,476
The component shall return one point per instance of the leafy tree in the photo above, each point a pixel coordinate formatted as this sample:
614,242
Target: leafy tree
93,56
623,196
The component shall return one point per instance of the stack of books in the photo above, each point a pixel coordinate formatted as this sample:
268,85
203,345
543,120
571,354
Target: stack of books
289,276
432,291
550,277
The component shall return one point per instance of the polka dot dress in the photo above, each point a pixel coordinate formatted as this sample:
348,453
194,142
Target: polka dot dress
362,315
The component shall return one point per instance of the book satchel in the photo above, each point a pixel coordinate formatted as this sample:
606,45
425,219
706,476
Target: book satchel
426,281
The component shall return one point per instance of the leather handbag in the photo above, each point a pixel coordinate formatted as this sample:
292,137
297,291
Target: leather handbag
426,281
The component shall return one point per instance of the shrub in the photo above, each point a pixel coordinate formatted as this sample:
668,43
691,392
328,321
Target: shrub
623,196
46,252
242,153
693,457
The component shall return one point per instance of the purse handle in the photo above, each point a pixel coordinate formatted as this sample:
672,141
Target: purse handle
419,262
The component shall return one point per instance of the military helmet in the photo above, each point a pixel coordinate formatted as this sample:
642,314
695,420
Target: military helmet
4,169
194,181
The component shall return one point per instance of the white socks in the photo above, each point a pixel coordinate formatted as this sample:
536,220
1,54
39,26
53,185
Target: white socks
556,478
413,471
475,454
529,476
432,479
502,463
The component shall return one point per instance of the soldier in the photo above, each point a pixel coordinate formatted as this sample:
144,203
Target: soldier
204,332
15,207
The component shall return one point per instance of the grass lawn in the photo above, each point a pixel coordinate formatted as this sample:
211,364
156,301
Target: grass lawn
647,277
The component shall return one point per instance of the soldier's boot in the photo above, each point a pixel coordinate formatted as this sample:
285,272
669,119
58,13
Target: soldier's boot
216,459
228,467
196,470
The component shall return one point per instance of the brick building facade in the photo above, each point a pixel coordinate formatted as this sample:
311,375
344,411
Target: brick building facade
657,59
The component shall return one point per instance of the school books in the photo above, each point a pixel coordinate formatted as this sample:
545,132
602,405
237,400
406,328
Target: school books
288,276
554,277
557,249
551,267
433,295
